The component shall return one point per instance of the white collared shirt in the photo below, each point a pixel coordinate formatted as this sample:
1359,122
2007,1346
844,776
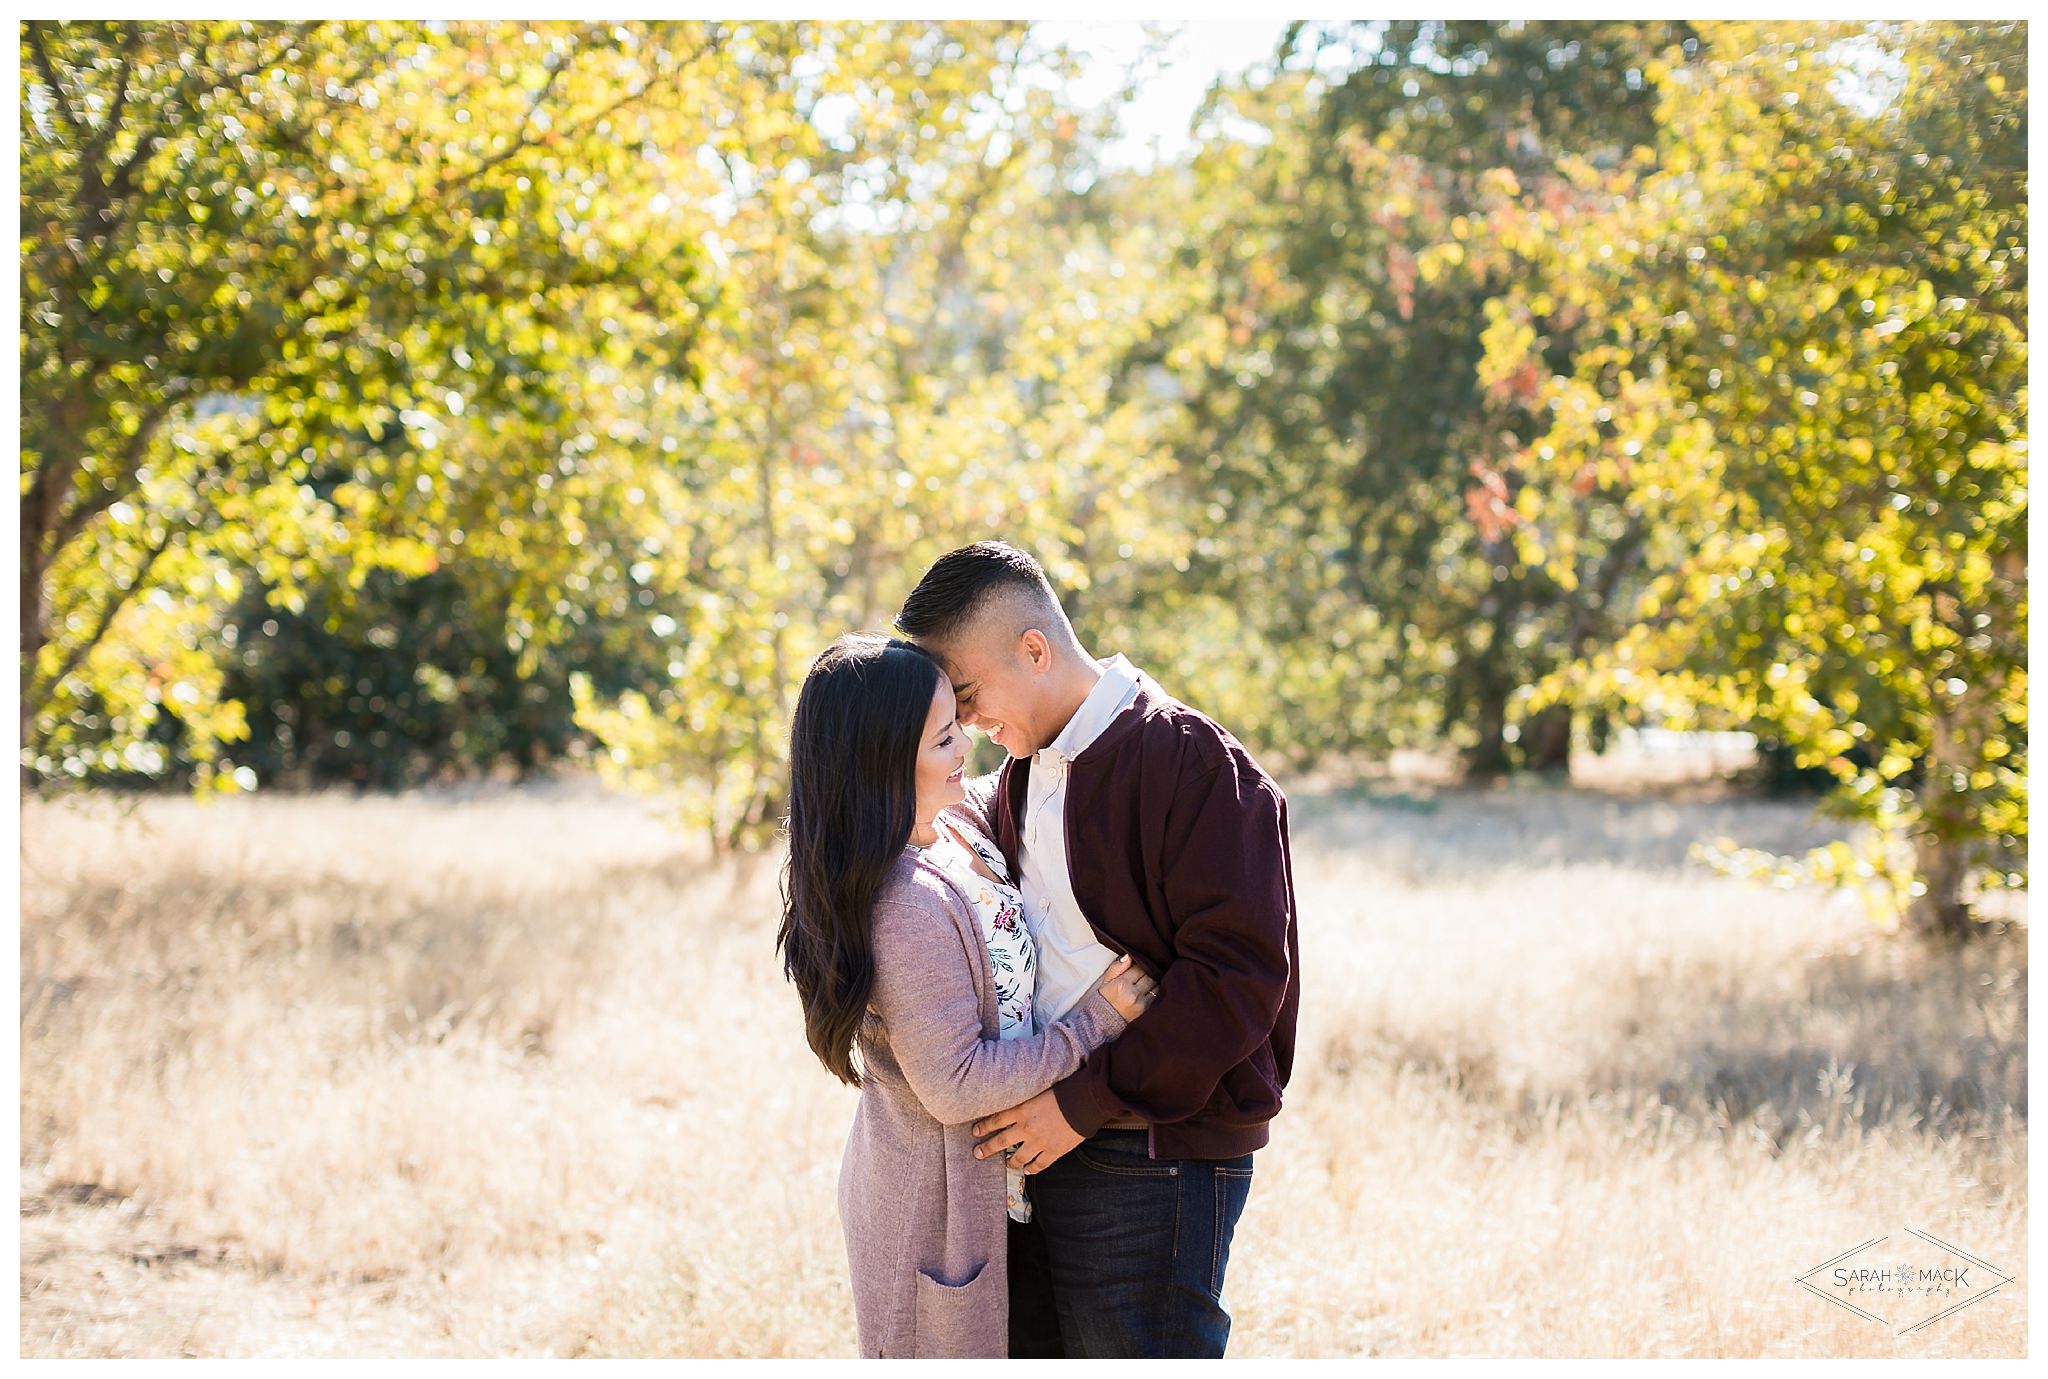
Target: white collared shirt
1070,957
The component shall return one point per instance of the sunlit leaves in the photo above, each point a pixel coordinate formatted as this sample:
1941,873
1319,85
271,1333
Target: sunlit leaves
349,236
873,399
1824,302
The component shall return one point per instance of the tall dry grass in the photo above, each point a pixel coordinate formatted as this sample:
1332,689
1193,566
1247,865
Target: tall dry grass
517,1074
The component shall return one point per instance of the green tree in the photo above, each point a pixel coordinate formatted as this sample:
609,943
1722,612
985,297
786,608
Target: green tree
1810,387
1340,441
914,344
250,250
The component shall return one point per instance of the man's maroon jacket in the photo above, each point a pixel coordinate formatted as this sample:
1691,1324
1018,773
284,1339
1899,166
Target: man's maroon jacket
1177,850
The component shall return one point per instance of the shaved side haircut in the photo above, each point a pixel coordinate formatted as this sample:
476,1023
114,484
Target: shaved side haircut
975,580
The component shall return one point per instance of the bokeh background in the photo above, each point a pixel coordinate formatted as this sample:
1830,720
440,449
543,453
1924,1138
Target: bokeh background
1585,461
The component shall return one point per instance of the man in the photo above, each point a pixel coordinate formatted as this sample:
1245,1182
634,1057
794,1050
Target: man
1138,825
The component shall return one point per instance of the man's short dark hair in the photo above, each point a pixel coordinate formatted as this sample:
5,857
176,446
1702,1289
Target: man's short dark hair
961,582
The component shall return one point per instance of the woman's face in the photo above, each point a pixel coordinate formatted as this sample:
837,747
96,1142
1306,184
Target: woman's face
941,757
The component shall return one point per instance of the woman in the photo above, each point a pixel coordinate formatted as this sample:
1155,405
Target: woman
905,943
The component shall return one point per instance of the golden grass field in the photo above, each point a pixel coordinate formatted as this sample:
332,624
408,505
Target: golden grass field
516,1073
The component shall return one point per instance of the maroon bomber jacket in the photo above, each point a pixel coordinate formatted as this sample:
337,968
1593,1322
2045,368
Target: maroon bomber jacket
1177,851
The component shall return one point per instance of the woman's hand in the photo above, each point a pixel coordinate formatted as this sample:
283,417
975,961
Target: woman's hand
1127,989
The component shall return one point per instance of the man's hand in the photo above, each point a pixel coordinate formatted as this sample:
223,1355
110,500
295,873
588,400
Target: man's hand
1035,1129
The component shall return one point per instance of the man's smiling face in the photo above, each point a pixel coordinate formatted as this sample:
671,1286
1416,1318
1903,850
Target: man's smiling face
1000,689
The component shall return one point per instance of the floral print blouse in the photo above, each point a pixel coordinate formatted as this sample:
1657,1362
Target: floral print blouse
1010,951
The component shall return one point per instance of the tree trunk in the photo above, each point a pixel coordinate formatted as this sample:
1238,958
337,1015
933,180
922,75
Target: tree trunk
1547,740
1487,759
38,519
1940,912
31,645
1941,850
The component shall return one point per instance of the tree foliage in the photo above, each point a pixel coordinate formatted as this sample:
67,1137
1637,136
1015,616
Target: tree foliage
1807,373
1338,426
489,391
910,365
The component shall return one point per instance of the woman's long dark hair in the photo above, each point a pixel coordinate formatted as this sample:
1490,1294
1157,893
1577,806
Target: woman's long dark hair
852,802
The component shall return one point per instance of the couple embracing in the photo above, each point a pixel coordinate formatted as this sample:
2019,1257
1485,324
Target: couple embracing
1067,991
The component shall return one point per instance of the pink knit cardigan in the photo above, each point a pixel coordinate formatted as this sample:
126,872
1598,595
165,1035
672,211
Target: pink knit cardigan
927,1229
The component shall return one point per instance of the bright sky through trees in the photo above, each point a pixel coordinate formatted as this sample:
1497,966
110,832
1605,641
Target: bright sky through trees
1174,65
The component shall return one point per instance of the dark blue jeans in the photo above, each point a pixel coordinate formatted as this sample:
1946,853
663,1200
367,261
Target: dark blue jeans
1134,1250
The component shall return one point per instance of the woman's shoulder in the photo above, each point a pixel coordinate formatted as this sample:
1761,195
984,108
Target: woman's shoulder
920,918
916,887
971,817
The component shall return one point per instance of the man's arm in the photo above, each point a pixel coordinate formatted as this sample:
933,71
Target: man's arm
1225,880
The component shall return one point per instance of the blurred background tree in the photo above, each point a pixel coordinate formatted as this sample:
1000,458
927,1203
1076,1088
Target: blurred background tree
410,400
255,253
1811,381
914,338
1337,428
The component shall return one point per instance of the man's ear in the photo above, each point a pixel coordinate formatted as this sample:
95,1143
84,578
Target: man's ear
1037,650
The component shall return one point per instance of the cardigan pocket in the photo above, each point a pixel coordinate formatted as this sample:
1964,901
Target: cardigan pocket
952,1320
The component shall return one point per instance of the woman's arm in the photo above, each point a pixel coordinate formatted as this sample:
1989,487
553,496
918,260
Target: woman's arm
924,991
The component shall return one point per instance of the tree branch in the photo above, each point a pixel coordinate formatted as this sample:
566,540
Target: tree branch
47,67
43,689
54,469
78,653
73,520
448,185
111,124
117,189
